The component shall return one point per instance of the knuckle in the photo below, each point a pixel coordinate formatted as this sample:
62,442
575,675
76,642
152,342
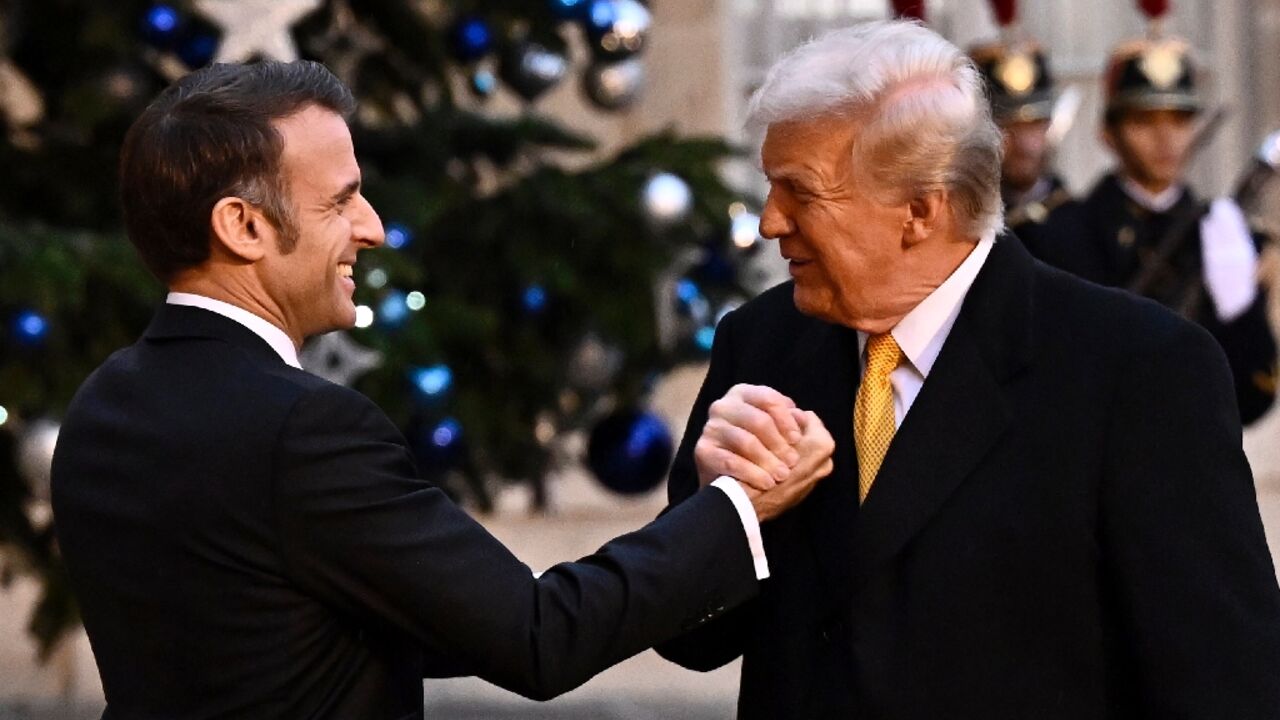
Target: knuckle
758,423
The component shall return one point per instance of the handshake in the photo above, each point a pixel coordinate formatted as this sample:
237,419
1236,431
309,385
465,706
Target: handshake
759,437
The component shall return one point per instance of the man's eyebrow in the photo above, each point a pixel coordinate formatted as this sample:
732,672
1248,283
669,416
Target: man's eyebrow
787,173
347,191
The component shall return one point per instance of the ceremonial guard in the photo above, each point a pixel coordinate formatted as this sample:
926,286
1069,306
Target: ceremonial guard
1149,233
1039,209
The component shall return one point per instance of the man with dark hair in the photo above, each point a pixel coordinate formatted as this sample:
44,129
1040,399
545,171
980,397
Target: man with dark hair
1146,231
248,540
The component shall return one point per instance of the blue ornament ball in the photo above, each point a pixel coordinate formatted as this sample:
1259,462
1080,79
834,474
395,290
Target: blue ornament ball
715,269
198,50
437,446
162,26
617,29
630,451
398,235
30,328
472,38
570,9
534,299
705,337
483,83
393,310
432,383
600,15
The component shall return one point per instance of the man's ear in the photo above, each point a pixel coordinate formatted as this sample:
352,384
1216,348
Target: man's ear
240,229
925,214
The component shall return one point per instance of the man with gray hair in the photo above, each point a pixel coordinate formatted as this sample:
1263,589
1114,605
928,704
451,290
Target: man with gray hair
1039,506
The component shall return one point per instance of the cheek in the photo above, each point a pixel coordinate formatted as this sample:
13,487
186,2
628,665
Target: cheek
1143,144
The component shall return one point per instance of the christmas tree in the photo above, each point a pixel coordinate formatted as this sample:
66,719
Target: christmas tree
528,289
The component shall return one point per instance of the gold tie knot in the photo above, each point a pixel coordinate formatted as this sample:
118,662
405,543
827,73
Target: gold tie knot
883,355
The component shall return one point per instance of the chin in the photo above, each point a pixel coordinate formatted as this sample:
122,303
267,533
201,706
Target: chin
811,303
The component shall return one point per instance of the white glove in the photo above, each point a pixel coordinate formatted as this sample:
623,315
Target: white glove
1230,259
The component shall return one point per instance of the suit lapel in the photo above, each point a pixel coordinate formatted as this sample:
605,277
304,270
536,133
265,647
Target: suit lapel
960,413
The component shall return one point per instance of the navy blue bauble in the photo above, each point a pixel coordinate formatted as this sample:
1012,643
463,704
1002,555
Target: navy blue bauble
398,235
198,50
437,446
472,39
531,69
162,26
715,269
630,451
30,328
534,299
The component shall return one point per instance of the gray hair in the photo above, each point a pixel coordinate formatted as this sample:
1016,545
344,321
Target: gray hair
926,120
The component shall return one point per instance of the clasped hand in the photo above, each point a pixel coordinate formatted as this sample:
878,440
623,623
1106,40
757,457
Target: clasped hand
759,437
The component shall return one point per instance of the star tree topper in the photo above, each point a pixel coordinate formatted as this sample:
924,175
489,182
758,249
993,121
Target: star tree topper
256,27
339,359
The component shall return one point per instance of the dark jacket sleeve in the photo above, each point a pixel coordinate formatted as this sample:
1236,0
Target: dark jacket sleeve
713,644
1183,541
361,531
1251,353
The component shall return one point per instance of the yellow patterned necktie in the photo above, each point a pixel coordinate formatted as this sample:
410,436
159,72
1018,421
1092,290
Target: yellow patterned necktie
873,423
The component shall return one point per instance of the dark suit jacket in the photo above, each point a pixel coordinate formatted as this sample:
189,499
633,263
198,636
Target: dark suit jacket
1064,526
1117,236
247,540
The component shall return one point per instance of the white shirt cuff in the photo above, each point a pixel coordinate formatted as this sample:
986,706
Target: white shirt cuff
750,524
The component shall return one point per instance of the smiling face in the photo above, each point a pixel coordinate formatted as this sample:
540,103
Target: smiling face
311,285
855,257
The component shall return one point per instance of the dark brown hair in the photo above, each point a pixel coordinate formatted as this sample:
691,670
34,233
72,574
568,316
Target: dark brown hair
210,136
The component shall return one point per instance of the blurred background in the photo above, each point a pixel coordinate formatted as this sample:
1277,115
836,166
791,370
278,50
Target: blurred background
570,202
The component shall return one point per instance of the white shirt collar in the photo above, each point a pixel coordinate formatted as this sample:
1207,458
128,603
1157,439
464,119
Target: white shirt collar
922,332
274,336
1036,193
1155,202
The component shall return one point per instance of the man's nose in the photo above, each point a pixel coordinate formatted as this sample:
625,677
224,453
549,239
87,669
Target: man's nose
367,229
774,223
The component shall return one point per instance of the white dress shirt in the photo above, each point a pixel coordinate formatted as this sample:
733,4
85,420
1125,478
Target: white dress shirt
274,336
922,332
280,342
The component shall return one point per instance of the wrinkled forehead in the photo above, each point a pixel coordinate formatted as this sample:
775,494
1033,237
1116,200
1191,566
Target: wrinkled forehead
827,138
